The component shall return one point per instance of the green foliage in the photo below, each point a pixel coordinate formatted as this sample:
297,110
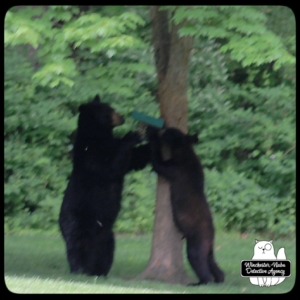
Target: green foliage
247,141
85,31
246,206
242,27
137,213
36,162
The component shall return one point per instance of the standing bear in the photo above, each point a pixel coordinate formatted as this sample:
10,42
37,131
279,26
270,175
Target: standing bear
92,198
191,212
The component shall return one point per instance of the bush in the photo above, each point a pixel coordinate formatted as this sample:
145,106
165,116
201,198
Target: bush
247,141
137,212
247,207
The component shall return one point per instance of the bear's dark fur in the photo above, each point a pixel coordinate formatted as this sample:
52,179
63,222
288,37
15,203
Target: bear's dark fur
92,199
190,209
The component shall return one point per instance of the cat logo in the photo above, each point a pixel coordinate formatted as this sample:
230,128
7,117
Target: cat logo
266,269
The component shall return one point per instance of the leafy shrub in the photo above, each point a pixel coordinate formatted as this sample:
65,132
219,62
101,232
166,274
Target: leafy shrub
247,143
247,207
137,212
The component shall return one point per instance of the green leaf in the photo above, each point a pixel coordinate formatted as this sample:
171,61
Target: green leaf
67,81
255,153
111,52
54,83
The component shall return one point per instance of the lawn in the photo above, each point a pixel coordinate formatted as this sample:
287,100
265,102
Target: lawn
36,263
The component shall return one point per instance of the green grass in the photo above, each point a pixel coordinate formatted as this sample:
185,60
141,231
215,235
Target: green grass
37,264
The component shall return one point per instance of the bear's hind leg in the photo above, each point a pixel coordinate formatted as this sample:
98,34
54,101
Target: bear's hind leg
72,235
197,252
101,252
75,255
216,271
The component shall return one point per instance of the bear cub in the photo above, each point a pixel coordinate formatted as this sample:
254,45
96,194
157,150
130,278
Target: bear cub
92,199
191,212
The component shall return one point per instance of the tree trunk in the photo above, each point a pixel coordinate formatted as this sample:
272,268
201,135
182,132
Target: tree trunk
172,58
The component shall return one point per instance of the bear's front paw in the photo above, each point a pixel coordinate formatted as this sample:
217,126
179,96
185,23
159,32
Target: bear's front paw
132,138
152,133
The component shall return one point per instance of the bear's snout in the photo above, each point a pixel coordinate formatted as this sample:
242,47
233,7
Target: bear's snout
117,119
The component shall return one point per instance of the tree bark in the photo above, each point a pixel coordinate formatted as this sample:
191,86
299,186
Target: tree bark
172,58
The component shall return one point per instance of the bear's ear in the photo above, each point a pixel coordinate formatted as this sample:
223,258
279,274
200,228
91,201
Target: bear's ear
81,107
192,139
97,99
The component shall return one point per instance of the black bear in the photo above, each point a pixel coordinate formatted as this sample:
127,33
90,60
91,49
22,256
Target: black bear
92,198
191,212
